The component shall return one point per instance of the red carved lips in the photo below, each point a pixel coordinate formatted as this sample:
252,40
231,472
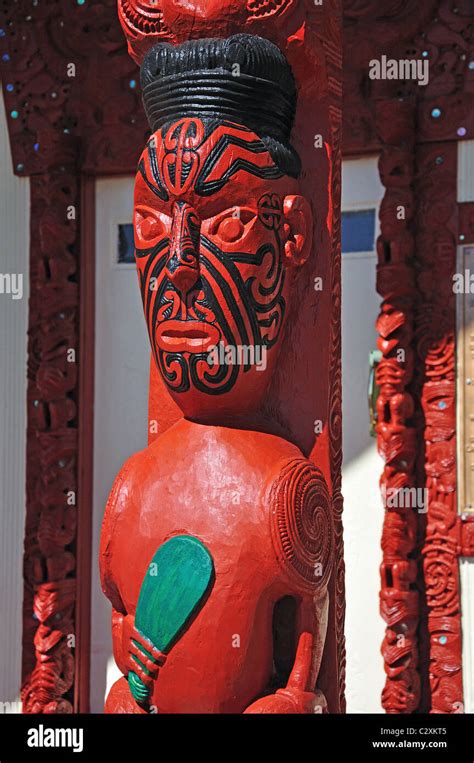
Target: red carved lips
186,336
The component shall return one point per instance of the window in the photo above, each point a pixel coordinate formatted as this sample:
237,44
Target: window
358,231
125,244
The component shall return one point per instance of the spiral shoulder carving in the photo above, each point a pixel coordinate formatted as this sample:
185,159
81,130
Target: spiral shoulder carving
302,524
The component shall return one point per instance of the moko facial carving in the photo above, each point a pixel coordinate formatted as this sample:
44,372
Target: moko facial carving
220,226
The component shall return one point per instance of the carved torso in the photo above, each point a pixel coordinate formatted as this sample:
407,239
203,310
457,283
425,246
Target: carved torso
224,487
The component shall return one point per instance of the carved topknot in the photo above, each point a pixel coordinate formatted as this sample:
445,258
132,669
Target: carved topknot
243,79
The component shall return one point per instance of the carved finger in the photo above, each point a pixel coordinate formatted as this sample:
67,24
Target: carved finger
300,674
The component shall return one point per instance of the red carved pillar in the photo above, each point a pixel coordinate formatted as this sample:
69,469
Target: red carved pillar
50,561
396,434
436,350
236,232
445,117
419,127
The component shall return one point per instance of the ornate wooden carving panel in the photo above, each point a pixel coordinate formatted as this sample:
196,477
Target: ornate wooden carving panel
417,128
71,92
72,103
51,518
435,332
397,440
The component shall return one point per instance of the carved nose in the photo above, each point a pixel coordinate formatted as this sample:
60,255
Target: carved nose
183,260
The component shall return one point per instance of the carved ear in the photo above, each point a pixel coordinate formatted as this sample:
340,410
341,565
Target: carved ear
298,230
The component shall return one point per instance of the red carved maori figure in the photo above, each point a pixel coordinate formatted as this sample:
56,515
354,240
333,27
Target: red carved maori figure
218,539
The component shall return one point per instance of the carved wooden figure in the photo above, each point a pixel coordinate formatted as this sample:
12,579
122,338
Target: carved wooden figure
218,539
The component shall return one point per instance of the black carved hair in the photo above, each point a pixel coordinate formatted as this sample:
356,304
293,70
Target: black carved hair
244,79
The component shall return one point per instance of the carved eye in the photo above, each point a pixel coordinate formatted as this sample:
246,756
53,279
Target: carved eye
147,226
232,228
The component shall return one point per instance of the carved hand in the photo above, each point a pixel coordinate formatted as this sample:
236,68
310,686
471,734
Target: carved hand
296,697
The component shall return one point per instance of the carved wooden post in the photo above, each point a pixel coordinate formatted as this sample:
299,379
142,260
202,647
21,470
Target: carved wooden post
222,542
397,441
419,129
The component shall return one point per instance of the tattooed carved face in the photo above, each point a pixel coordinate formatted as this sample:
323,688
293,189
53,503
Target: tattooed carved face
219,231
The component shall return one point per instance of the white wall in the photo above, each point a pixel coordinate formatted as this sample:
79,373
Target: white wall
362,466
122,355
466,569
14,259
465,172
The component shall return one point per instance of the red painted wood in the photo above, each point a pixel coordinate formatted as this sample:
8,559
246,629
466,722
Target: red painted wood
89,114
466,536
397,440
435,331
51,521
373,29
85,464
250,578
416,129
466,222
288,407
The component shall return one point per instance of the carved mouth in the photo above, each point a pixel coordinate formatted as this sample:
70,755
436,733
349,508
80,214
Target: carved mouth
262,8
143,18
186,336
